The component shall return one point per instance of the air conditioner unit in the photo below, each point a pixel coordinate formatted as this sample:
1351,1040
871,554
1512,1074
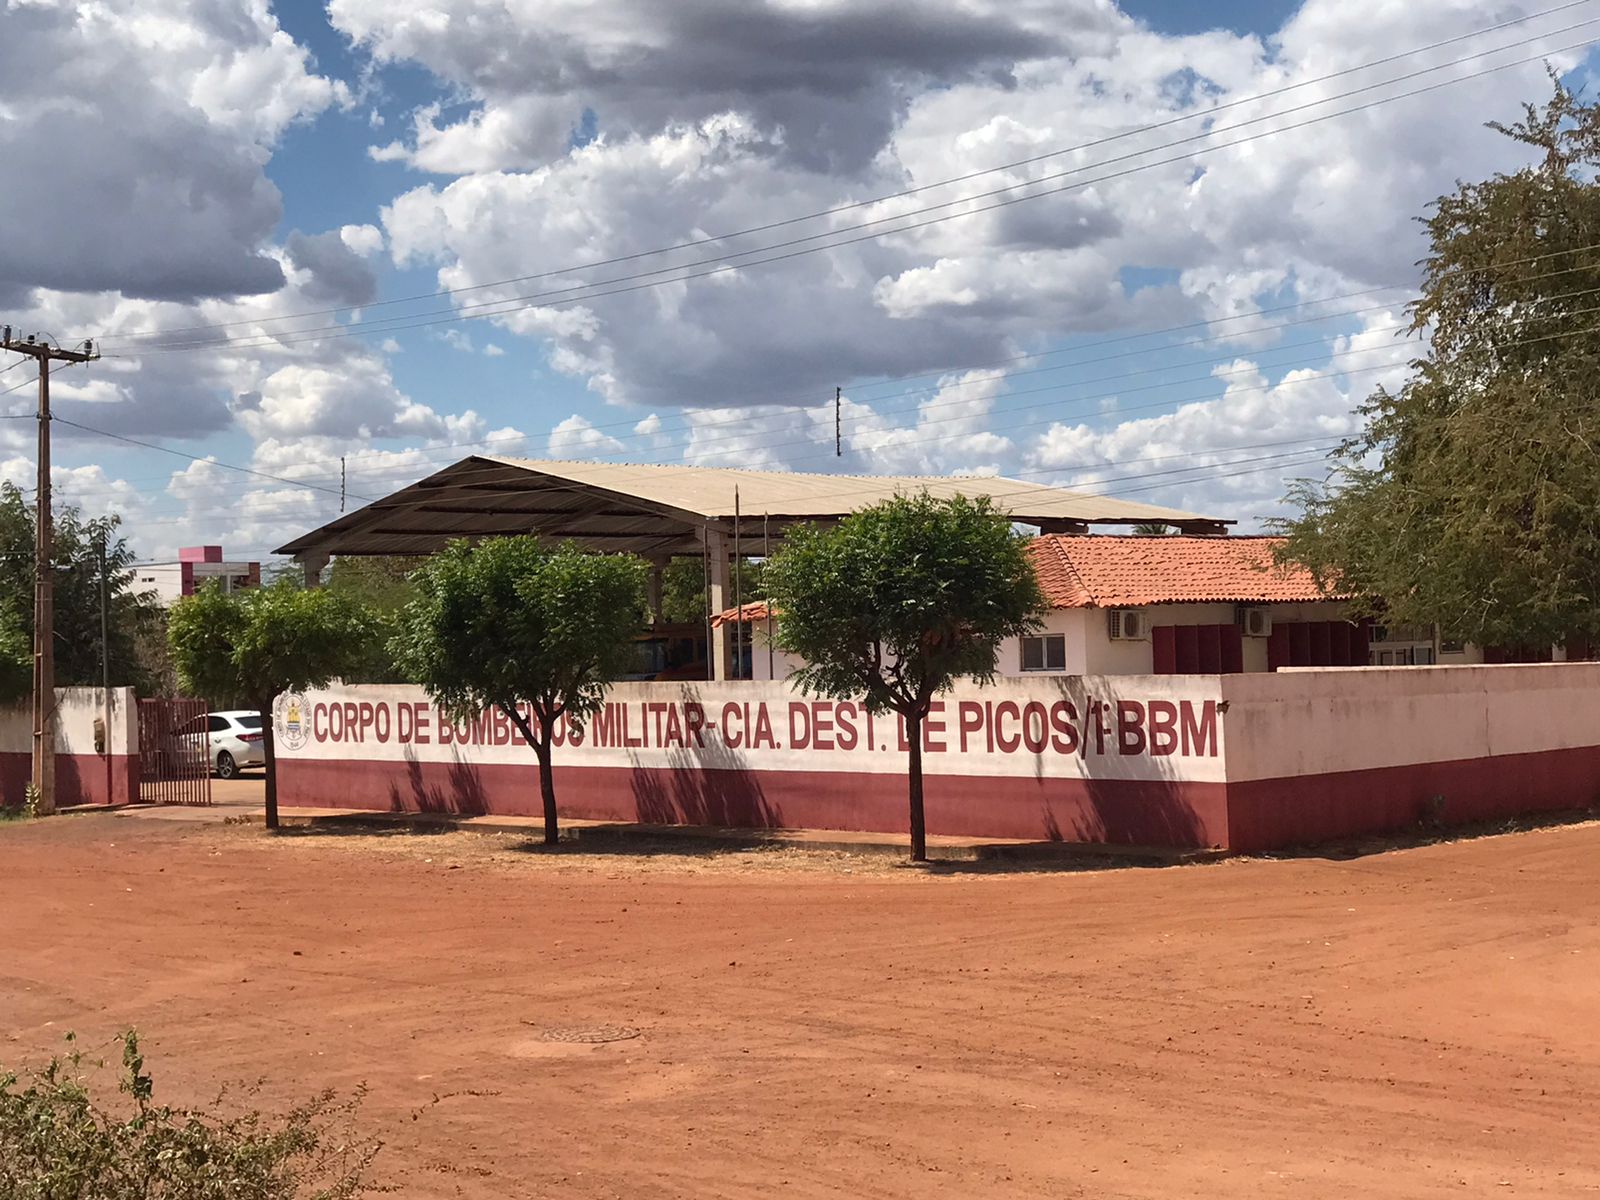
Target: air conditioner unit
1127,625
1255,622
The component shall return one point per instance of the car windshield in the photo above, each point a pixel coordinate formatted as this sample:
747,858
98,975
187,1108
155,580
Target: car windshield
250,721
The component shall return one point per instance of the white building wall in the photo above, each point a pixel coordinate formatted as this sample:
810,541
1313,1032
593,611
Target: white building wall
1090,650
1071,624
164,579
767,662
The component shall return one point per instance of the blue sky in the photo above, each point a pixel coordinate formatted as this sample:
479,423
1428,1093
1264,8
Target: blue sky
1148,330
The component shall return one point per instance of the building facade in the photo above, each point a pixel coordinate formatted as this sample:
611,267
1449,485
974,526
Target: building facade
195,566
1175,605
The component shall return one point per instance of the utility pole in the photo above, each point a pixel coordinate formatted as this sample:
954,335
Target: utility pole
44,650
105,665
838,422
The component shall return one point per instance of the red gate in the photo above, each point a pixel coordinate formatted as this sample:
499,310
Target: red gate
174,752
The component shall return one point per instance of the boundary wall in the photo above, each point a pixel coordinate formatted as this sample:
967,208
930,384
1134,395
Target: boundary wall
1245,762
85,773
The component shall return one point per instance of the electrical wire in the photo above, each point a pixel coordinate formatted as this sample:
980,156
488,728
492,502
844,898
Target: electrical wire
563,296
1199,114
430,454
901,446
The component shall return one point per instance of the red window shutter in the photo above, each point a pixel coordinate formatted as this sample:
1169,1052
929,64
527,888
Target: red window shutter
1339,644
1164,650
1319,644
1299,644
1361,644
1188,649
1232,650
1210,638
1278,646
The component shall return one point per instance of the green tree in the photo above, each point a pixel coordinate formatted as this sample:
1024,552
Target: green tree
684,598
383,585
77,571
256,643
538,633
896,602
1152,529
1471,498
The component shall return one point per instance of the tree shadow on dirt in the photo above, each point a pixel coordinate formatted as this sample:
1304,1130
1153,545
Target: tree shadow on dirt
463,797
1365,846
709,785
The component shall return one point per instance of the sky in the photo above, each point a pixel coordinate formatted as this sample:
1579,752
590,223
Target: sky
1154,249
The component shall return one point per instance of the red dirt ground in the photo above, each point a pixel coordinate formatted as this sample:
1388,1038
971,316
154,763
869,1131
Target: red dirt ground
1419,1023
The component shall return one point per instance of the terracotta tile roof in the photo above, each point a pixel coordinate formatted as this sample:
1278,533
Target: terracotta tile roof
1107,571
756,610
1098,571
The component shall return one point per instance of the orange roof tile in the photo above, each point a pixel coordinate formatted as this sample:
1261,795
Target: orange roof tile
755,610
1100,571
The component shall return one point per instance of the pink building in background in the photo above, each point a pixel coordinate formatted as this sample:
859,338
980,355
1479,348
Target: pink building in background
196,565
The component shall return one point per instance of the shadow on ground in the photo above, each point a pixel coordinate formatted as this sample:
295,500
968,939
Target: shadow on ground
1345,849
602,843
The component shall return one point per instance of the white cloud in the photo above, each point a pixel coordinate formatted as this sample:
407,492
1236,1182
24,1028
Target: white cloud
365,240
828,98
690,125
576,437
1320,210
160,115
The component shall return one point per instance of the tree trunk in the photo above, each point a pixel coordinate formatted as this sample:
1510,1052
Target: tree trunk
919,831
547,784
269,747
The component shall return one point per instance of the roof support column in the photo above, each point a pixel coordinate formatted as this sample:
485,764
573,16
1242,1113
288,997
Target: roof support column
313,564
653,588
716,544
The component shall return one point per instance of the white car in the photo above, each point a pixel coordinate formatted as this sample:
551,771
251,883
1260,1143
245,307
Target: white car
231,740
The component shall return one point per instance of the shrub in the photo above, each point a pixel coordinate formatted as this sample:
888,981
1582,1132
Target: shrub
59,1141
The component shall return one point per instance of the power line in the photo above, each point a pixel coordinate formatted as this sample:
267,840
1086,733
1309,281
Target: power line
425,455
1164,403
922,410
564,296
1199,114
203,458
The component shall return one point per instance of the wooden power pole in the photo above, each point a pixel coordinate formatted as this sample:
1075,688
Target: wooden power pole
44,650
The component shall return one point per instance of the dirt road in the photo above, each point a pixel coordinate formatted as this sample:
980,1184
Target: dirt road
1422,1023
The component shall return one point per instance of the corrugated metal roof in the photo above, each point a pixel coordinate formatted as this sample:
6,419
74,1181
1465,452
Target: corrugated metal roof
708,491
661,510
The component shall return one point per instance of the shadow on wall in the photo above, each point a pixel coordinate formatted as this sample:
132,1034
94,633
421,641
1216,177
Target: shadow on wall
703,785
463,796
1151,809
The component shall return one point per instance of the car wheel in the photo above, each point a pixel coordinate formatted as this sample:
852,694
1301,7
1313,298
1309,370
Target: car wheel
226,767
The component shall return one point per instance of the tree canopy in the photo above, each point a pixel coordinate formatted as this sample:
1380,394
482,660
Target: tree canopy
78,542
1471,497
896,602
248,646
538,633
684,598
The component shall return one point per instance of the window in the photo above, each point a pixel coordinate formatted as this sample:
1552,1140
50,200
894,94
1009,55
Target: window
249,721
1048,653
1324,644
218,724
1196,649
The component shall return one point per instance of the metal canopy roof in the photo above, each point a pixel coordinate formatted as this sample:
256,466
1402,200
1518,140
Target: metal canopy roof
659,511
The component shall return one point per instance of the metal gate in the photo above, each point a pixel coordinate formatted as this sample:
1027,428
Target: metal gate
174,752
